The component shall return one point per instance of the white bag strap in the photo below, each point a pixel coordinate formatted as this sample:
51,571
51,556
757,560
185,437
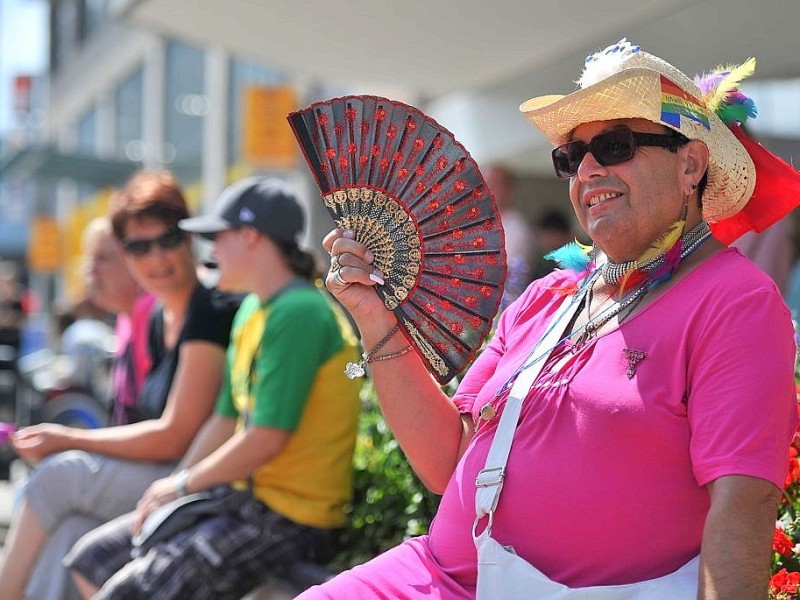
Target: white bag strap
489,481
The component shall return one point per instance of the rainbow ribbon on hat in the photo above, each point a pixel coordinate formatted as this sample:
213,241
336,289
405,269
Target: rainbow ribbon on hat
675,103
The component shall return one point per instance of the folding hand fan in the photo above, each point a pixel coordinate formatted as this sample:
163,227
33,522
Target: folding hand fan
414,196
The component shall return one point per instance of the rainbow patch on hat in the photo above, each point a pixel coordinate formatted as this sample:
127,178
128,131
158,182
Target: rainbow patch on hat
675,102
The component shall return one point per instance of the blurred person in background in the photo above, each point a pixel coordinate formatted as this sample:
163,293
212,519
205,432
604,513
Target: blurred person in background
553,230
280,444
520,242
771,250
111,286
96,475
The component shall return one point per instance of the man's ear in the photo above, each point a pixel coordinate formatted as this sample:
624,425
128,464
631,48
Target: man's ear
695,164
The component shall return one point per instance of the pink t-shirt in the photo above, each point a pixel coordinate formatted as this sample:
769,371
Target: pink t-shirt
132,357
605,480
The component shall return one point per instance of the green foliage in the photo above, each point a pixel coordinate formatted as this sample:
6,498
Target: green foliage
389,503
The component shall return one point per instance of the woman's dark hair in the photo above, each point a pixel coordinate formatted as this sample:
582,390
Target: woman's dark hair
148,195
301,262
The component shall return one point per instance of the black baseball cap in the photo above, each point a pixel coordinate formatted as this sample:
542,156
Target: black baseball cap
268,205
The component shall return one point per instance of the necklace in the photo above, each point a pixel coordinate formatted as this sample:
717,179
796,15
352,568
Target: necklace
591,328
613,273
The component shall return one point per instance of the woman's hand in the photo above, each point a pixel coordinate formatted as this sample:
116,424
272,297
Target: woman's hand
160,492
39,441
352,274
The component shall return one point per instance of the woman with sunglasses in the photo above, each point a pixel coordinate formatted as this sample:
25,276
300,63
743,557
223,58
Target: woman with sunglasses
631,417
88,477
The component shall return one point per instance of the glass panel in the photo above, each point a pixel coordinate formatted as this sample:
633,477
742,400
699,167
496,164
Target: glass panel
128,101
186,106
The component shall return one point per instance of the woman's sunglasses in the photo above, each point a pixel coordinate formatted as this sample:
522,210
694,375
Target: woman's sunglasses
609,148
172,238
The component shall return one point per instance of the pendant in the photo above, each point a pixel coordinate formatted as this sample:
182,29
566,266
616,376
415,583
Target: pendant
354,370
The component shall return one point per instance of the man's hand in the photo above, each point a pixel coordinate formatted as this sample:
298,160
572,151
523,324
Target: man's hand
160,492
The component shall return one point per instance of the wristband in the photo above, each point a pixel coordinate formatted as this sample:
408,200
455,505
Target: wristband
180,478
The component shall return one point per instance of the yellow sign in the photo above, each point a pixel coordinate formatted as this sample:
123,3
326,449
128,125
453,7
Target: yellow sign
267,139
44,246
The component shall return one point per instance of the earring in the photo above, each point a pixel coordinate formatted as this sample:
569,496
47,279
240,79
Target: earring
694,186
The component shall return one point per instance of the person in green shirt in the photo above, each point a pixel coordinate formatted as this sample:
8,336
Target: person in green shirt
281,440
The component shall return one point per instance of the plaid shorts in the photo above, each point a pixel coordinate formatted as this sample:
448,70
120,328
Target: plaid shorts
222,556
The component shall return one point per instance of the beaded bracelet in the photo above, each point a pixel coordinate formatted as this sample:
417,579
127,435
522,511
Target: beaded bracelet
390,356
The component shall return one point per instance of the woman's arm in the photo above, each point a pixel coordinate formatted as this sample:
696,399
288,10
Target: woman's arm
191,398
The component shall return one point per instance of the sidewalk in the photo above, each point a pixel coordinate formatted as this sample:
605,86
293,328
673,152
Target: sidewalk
6,504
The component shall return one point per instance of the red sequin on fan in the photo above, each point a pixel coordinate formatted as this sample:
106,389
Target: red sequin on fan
391,131
445,304
488,225
455,282
419,170
419,144
491,259
436,188
448,270
419,188
376,149
322,119
433,205
448,247
442,347
398,157
402,173
486,291
441,163
352,148
380,114
338,129
471,301
364,127
362,160
449,209
479,242
331,153
384,164
438,142
474,322
473,212
459,186
343,162
430,307
350,114
444,226
459,166
457,328
324,167
458,234
478,273
410,125
460,259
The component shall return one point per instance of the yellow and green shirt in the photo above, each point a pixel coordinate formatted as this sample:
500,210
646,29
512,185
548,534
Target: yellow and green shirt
285,369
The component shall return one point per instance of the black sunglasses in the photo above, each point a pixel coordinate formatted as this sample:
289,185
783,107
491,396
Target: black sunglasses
609,148
172,238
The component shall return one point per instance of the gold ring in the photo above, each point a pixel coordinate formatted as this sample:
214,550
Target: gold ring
335,266
337,277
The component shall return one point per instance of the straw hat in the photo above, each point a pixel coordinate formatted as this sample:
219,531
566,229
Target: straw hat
622,82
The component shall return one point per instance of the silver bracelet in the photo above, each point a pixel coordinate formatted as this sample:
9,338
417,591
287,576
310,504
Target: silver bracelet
180,478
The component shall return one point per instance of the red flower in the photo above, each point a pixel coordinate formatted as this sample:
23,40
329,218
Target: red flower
782,543
784,582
